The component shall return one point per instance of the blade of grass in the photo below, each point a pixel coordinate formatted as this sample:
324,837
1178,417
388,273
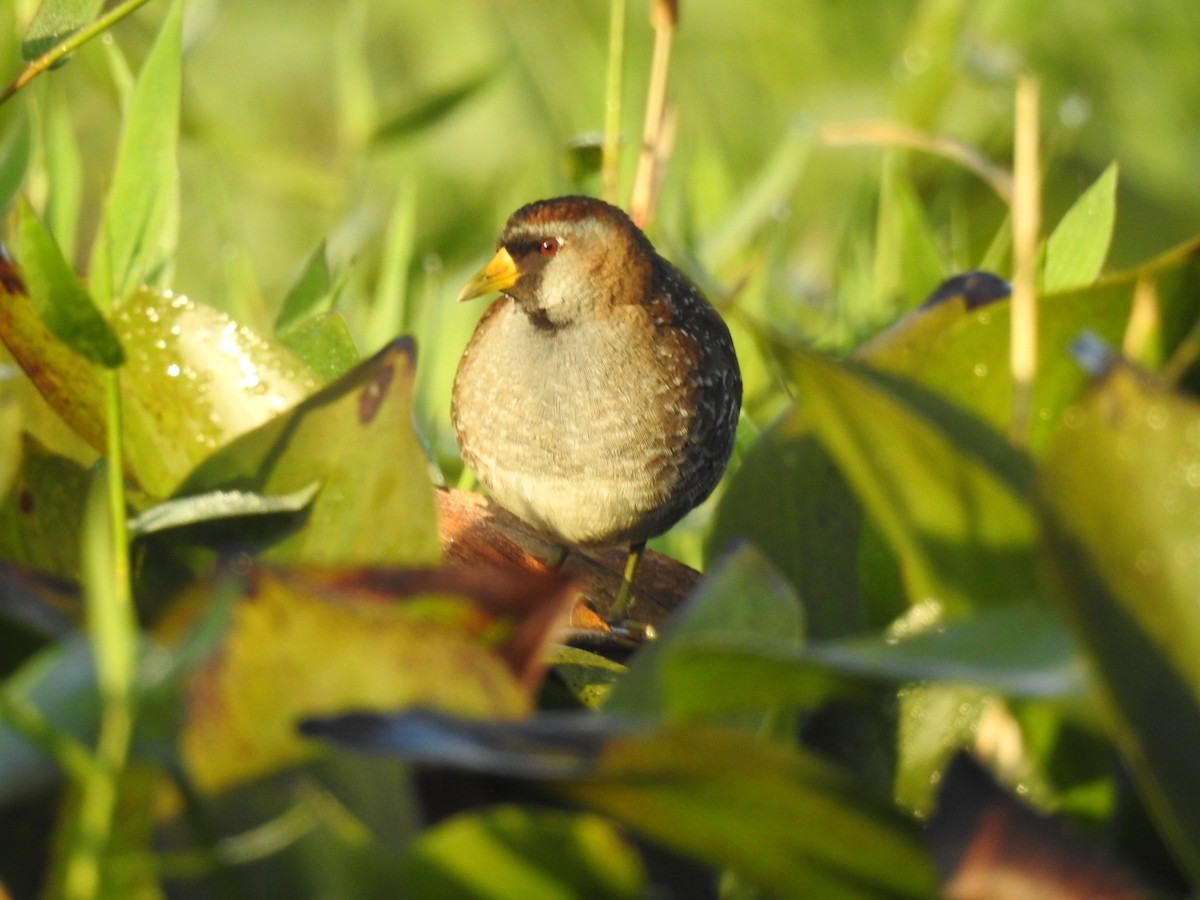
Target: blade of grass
612,98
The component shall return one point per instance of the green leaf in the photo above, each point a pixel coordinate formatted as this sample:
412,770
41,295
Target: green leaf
55,21
1076,251
742,596
789,499
942,490
1020,651
324,343
907,260
10,431
134,242
311,294
1121,489
511,851
961,352
355,438
60,299
783,819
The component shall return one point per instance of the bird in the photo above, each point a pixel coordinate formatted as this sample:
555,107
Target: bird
599,396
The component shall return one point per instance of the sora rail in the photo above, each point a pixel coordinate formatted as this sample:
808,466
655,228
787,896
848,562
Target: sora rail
598,398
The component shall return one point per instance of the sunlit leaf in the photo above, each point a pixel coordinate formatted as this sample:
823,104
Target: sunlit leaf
511,851
355,438
135,240
1122,490
1076,250
310,294
960,350
194,379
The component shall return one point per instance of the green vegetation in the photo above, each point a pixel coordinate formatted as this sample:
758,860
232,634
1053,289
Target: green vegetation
217,519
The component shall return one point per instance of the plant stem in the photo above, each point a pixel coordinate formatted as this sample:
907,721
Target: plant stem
1026,218
74,42
655,134
612,100
112,629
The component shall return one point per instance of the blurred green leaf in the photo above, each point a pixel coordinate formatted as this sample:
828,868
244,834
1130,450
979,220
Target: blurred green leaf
425,111
907,260
939,489
512,851
1020,651
1121,489
54,22
60,299
356,439
135,241
1076,251
14,159
588,676
64,163
311,294
10,431
741,597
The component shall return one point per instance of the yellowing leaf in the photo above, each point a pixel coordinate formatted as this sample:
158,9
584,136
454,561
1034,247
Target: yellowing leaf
310,643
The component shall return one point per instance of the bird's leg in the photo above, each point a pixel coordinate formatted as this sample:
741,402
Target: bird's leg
558,555
624,600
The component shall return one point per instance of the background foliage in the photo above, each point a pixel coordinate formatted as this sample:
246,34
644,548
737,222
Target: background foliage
920,583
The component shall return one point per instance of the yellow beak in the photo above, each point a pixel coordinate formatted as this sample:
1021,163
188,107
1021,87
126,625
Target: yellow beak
497,275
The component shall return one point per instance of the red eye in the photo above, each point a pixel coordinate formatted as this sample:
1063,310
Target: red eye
549,246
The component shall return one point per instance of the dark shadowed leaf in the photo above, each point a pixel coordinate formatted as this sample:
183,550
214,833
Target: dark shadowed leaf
990,846
785,820
41,517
